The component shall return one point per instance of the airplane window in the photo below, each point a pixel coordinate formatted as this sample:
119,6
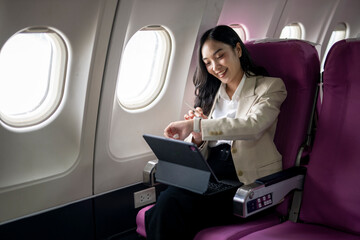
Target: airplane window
32,66
143,67
293,31
240,30
339,33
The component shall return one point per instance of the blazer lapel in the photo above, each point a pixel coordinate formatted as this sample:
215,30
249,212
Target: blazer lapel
247,97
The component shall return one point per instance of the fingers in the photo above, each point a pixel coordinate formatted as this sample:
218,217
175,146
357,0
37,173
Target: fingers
167,133
197,113
178,130
171,132
189,115
199,110
170,135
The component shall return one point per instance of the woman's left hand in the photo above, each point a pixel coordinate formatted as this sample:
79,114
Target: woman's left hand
179,130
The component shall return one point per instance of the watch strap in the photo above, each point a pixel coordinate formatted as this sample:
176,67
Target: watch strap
197,124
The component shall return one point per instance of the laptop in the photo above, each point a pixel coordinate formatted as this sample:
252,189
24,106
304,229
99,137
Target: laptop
181,164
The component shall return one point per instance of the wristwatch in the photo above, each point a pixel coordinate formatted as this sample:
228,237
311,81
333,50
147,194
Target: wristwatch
197,124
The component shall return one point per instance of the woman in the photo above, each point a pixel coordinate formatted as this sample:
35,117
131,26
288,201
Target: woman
233,125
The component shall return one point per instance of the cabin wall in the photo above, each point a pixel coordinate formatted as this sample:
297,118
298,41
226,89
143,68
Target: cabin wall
52,164
121,152
88,157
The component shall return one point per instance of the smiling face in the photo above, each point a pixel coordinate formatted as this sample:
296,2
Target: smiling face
222,61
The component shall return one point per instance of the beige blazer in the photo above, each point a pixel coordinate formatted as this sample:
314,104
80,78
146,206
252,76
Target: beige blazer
253,150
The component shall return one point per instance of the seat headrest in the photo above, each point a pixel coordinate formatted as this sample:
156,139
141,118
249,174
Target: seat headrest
292,60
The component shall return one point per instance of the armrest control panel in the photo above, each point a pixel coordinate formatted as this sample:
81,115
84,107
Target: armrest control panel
259,203
267,192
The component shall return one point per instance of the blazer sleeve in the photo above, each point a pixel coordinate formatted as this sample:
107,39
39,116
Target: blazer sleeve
261,111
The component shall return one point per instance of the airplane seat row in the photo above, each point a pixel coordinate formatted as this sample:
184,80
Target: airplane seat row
331,195
297,63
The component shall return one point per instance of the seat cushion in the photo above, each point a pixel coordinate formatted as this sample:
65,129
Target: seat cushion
230,232
299,231
235,231
140,220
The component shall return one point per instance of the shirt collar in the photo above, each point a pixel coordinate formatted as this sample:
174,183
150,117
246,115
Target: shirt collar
237,92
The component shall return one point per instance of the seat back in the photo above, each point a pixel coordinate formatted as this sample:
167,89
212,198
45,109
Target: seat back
297,63
331,194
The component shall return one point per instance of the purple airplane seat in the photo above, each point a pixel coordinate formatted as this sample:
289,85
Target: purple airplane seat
297,63
331,194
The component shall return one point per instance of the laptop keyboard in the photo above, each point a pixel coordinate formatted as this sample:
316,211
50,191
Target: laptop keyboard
214,187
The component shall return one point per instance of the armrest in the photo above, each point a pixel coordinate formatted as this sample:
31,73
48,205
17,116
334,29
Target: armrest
267,191
149,173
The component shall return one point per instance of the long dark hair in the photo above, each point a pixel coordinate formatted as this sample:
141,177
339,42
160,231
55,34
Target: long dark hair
206,85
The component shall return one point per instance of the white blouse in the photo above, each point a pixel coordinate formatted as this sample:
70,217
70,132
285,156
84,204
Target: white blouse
226,107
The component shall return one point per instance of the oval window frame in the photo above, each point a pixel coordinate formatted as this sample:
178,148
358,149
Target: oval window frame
142,102
55,86
293,31
340,32
241,30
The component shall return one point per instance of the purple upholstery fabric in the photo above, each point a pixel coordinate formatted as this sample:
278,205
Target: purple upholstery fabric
296,231
234,232
140,220
332,192
330,207
297,63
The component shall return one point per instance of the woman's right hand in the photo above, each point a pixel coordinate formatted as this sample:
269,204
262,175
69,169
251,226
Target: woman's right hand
198,113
